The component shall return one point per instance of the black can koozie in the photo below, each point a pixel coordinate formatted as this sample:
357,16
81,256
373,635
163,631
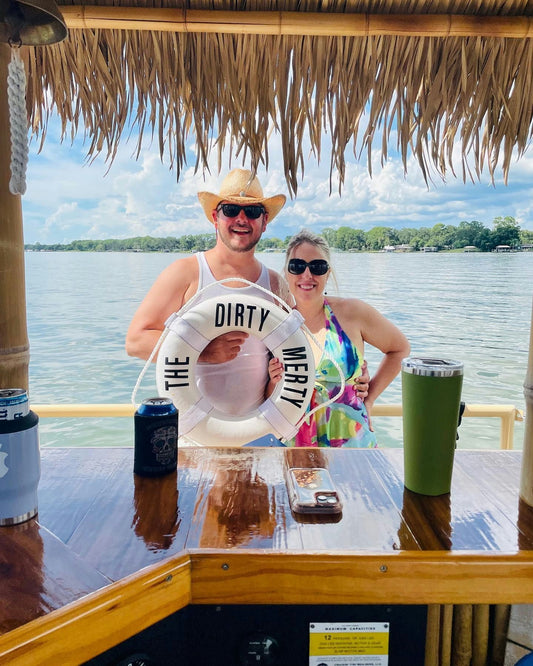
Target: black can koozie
156,437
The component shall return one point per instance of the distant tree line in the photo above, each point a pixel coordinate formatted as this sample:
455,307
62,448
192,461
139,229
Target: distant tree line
505,231
188,243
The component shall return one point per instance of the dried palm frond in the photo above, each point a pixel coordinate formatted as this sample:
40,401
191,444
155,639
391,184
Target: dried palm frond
234,90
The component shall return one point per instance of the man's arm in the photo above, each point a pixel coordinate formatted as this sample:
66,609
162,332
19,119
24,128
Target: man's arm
172,289
167,295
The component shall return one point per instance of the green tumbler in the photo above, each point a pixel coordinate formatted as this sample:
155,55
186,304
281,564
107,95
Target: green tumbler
431,399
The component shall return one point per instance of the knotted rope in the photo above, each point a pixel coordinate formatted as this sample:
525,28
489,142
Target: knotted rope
16,96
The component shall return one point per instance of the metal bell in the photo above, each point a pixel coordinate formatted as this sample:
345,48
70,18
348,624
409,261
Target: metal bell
31,23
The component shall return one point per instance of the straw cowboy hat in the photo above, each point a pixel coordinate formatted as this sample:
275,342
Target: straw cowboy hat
240,186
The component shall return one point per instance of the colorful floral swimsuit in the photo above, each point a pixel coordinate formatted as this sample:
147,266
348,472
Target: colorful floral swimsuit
344,422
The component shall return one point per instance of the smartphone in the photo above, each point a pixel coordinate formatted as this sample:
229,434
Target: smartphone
311,490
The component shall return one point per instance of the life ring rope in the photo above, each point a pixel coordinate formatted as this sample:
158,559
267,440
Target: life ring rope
190,303
198,341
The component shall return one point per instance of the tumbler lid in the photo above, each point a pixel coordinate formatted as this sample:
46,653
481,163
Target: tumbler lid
432,367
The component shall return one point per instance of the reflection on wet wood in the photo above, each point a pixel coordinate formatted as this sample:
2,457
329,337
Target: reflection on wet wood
85,628
127,522
306,457
79,477
38,574
234,503
525,525
481,510
237,499
156,518
428,520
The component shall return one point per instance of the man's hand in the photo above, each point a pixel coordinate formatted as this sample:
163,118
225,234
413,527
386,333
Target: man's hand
363,381
223,348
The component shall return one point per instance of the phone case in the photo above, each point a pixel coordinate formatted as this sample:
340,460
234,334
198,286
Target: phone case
311,490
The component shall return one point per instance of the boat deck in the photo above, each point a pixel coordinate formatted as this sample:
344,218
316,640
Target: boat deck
110,553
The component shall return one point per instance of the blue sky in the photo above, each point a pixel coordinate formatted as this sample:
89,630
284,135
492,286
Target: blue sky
68,199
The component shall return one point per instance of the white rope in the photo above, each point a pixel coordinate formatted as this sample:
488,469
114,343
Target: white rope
147,365
16,96
187,306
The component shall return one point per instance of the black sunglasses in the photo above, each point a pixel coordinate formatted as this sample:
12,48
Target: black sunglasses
232,210
317,266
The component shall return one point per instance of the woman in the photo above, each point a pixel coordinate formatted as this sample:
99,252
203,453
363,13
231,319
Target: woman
341,326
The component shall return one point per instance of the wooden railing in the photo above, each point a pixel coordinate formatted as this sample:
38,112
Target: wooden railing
507,414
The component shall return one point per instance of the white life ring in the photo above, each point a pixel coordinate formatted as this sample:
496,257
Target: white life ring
280,331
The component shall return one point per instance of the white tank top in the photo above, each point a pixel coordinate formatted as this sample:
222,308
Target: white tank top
236,387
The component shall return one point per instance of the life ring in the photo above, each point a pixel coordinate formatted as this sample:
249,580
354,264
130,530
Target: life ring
280,331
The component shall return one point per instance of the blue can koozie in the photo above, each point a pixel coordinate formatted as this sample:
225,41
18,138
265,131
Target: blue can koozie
156,437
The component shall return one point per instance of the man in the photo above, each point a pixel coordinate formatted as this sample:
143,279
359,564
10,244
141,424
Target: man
240,213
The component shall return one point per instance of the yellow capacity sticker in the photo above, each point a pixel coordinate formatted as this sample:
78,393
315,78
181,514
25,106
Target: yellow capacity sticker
348,643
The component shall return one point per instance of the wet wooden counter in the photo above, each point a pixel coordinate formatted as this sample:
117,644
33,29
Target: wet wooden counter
111,553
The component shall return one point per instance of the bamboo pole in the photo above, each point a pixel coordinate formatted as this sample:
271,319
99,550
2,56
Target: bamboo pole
526,478
480,634
446,637
501,617
433,633
14,347
462,635
295,23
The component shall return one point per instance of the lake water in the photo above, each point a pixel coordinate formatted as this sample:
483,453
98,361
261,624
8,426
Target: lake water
475,308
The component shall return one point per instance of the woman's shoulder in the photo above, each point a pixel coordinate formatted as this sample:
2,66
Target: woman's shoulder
346,306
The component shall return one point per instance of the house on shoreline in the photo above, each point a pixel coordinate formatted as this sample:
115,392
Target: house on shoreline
398,248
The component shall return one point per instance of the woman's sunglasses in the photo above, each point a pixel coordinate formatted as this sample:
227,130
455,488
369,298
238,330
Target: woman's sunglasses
317,266
232,210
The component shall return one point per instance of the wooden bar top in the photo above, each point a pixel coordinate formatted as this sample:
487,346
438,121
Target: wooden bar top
221,529
224,498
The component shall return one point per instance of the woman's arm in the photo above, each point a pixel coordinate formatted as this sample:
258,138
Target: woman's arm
364,324
381,333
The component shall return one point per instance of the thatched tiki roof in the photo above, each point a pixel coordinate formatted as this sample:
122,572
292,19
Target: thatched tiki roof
440,71
427,74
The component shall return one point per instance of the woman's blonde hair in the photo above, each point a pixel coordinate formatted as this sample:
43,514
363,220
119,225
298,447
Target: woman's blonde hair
306,236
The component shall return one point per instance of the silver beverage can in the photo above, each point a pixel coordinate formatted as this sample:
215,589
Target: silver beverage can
13,404
20,461
156,437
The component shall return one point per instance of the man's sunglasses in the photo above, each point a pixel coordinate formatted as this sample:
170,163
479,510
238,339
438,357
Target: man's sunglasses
317,266
232,210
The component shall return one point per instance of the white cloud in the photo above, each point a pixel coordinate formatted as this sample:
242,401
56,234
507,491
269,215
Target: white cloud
68,199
